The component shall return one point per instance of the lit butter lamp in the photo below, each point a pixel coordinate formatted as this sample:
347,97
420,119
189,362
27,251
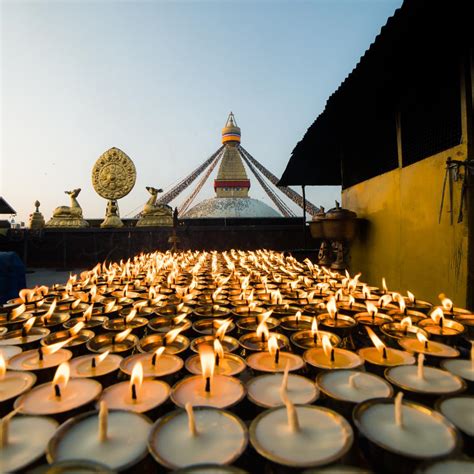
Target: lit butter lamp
164,324
129,321
448,308
101,367
23,440
76,338
227,363
121,343
31,298
416,304
423,383
172,341
432,349
50,318
397,330
155,364
12,384
60,398
402,312
303,340
208,389
296,322
27,337
332,321
463,368
228,343
274,360
328,357
258,340
117,439
13,318
90,320
250,323
402,433
138,394
209,326
264,390
350,307
300,436
379,356
440,328
42,361
212,311
372,317
197,436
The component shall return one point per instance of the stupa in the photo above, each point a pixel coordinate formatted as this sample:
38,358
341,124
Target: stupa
231,184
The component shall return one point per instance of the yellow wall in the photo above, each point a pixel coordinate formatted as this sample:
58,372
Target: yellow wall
404,241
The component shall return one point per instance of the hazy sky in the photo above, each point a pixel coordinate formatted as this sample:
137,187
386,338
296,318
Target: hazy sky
158,79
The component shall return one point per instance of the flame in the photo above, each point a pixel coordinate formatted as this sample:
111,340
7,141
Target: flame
50,311
218,349
351,300
157,354
18,311
384,300
61,377
447,304
141,304
384,285
366,292
406,322
173,334
179,307
371,308
314,326
272,345
26,295
252,306
88,313
108,307
28,325
76,303
102,357
52,348
131,316
377,342
208,360
402,304
298,316
121,336
93,293
152,293
262,331
264,316
422,338
74,331
223,326
327,346
180,318
411,297
3,367
216,294
136,380
437,316
332,307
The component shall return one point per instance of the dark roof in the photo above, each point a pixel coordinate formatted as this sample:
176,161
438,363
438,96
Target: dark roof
5,208
410,43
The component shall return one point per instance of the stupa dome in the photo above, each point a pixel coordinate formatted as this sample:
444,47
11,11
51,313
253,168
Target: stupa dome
231,207
231,132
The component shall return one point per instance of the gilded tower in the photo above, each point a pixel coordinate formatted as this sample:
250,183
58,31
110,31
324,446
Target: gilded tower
232,180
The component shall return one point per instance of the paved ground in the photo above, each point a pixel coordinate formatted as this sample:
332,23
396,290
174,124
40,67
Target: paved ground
48,276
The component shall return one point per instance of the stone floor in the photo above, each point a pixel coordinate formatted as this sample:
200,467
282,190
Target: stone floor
48,276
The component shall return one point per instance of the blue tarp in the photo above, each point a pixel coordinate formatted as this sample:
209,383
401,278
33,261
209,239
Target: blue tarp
12,276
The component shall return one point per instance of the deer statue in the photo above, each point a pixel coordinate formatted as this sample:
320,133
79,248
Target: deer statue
155,214
151,207
74,210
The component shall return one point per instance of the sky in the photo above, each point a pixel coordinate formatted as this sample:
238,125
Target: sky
157,79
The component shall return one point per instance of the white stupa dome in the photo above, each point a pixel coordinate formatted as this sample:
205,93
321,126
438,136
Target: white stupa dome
231,207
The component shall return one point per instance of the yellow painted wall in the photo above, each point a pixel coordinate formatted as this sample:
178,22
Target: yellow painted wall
404,241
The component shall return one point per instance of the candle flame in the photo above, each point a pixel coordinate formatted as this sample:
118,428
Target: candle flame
179,307
109,307
130,317
411,297
264,316
252,306
406,322
28,325
351,300
140,305
422,338
3,367
157,354
61,377
74,331
314,326
121,336
88,312
447,304
371,308
50,311
52,348
384,300
401,303
298,316
208,361
180,318
218,349
216,293
272,345
366,292
102,357
76,303
262,330
332,307
327,346
377,342
437,315
136,380
26,295
173,334
384,285
18,311
223,326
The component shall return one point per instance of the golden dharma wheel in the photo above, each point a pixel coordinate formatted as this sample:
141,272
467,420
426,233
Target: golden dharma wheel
114,174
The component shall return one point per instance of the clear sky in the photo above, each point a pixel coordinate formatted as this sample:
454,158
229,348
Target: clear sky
158,79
